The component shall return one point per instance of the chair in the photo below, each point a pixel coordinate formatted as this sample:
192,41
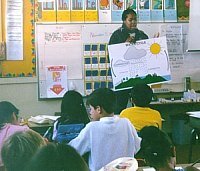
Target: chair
195,134
2,168
68,132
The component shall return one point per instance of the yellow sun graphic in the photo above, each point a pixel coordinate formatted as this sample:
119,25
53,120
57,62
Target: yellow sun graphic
155,48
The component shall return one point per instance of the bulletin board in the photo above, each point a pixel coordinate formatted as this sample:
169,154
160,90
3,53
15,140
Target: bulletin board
27,66
83,49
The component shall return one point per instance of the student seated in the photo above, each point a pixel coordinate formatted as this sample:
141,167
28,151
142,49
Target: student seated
18,149
109,137
141,114
8,122
157,149
57,157
73,111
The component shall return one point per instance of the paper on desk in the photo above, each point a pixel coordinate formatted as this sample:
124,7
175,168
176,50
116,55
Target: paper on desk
123,163
195,114
43,119
149,169
152,169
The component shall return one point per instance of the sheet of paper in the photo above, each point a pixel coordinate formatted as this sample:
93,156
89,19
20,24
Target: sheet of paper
14,30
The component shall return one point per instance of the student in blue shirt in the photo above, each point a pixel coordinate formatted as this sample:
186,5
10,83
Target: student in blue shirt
108,137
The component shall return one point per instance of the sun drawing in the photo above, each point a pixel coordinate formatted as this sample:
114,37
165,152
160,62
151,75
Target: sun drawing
155,48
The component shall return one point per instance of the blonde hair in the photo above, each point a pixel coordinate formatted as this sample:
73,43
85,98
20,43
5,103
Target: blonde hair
18,149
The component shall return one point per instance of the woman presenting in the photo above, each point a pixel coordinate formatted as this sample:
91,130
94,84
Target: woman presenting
128,32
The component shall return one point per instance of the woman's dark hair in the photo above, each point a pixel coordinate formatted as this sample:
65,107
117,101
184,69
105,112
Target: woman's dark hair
73,109
57,157
141,95
104,98
126,12
6,112
156,147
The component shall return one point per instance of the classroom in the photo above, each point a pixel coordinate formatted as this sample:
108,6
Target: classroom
67,41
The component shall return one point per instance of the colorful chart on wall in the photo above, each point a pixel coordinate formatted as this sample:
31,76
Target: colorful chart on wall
145,62
25,67
183,7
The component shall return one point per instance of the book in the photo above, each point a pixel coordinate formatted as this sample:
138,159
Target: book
132,4
118,7
104,11
157,11
77,11
91,13
183,9
144,13
170,11
45,11
63,10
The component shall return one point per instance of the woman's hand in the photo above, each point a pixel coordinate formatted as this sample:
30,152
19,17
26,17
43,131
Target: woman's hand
156,35
130,39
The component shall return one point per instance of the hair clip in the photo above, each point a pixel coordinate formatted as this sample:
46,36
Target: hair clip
155,154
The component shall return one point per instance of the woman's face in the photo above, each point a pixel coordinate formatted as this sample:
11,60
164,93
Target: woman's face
131,21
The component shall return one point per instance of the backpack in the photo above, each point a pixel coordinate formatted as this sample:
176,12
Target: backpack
68,132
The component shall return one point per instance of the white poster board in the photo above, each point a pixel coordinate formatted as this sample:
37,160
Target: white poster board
145,62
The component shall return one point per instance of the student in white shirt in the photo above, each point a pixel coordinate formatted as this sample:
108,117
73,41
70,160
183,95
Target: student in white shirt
108,137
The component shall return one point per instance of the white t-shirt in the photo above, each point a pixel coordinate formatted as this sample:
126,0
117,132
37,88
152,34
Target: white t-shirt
106,140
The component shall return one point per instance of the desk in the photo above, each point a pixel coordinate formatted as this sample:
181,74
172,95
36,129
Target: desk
197,165
40,128
173,108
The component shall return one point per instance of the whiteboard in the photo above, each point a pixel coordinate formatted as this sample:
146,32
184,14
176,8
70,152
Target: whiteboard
63,44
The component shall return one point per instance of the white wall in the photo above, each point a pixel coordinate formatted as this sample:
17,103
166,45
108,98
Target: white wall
23,93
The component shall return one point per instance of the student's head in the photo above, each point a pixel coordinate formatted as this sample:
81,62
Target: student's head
57,157
141,95
73,108
102,103
8,113
18,149
157,148
129,18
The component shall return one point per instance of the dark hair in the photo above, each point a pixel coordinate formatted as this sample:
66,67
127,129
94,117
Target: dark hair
57,157
18,149
73,109
126,12
141,95
103,97
156,147
6,112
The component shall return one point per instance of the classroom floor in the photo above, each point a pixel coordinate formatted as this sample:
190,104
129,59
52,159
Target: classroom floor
182,153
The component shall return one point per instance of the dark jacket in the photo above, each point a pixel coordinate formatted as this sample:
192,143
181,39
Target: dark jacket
121,35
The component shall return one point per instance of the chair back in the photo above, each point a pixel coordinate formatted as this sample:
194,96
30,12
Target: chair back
68,132
2,168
